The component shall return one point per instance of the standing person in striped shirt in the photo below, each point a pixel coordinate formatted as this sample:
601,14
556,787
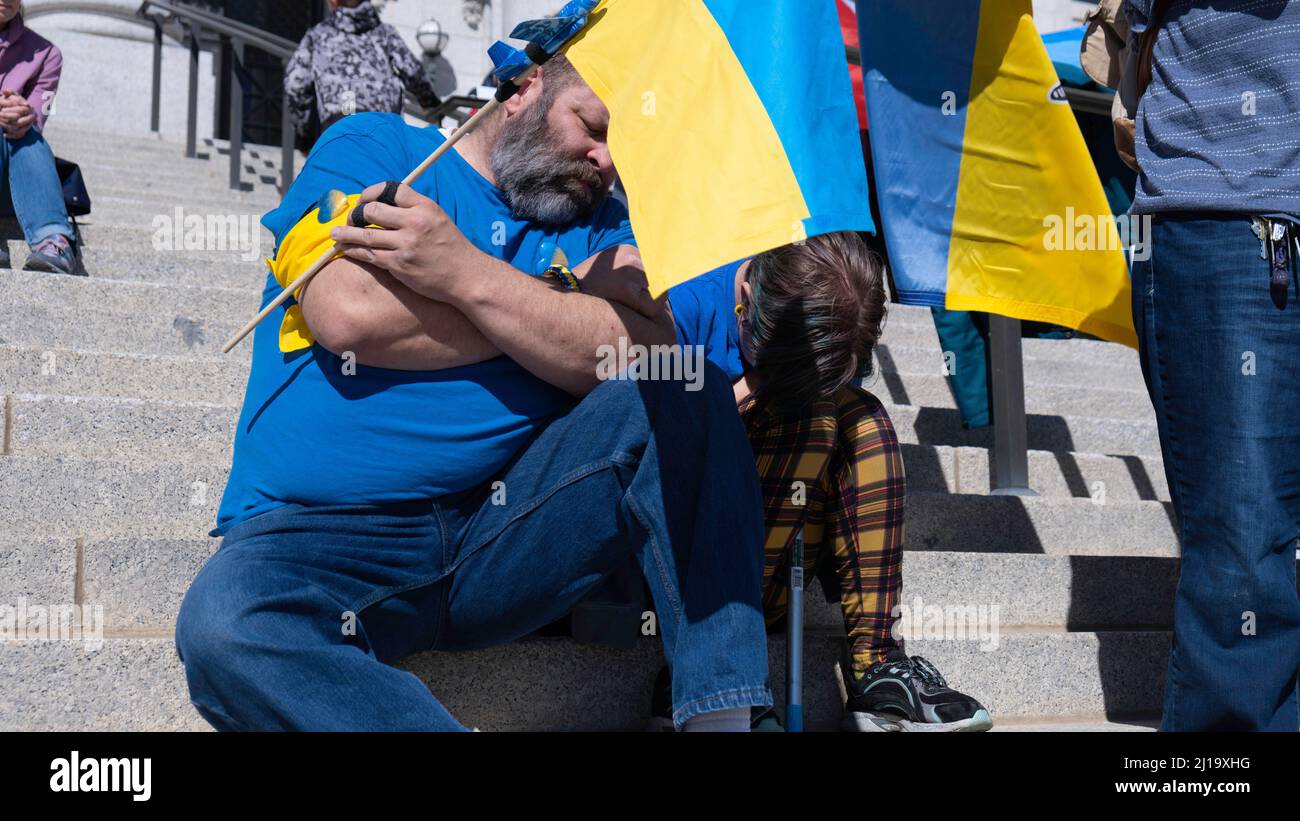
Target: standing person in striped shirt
1217,311
794,328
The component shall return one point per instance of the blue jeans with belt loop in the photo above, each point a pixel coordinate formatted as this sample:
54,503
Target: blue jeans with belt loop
294,622
1220,352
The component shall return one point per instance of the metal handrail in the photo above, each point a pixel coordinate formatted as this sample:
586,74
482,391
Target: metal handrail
187,23
233,35
251,35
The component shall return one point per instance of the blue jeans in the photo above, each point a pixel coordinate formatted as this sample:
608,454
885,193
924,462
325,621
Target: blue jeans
28,174
636,469
1221,358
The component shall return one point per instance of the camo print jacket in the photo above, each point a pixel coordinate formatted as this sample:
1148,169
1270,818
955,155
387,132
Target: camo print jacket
352,62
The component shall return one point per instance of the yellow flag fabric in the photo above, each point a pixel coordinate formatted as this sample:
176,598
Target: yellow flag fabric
989,198
1025,162
732,125
302,246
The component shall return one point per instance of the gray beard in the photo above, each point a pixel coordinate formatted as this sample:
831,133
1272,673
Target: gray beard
540,185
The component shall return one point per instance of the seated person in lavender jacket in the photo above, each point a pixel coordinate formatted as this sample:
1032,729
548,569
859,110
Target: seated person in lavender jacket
29,76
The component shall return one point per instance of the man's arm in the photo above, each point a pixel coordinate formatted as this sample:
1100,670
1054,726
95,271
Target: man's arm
379,302
357,308
556,335
361,309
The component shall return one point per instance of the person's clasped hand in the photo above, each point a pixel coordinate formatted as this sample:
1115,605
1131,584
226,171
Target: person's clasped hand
415,241
16,114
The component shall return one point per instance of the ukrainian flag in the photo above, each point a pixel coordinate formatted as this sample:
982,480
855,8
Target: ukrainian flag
983,178
732,126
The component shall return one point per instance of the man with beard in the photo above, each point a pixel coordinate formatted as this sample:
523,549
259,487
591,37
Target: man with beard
427,460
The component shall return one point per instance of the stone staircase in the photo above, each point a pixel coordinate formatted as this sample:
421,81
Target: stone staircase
119,412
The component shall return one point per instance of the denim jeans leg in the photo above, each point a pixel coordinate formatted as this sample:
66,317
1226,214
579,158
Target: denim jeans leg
35,188
649,469
1222,360
293,623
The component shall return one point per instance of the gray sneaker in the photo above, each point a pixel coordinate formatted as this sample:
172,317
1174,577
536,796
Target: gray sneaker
53,254
4,254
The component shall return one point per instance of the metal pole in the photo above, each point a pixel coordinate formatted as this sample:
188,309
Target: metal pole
192,112
236,115
218,77
794,642
155,113
286,142
1010,432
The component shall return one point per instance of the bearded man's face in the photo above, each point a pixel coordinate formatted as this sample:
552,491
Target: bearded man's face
552,160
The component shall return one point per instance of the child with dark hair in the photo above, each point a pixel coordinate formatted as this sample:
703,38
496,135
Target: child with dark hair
795,328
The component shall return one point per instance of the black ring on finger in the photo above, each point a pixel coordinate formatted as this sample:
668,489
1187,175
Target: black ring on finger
389,194
358,217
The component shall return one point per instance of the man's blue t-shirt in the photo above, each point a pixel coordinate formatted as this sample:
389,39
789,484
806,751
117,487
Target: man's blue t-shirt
704,310
310,434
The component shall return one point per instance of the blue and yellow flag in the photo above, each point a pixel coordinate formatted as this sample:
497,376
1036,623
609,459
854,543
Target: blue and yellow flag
732,126
982,174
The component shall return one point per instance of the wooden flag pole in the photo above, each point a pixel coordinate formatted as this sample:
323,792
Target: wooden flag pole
324,258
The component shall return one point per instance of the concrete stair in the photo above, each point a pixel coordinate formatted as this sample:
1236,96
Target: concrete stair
119,412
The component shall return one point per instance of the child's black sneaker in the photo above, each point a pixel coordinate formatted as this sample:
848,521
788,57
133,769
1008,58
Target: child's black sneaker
903,694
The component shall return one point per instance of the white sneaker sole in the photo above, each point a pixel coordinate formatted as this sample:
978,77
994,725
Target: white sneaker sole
871,723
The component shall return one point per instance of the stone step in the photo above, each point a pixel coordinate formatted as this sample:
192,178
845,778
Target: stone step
218,379
1047,432
165,191
170,172
135,548
934,392
125,685
89,148
1088,350
229,286
903,377
149,246
1119,674
142,433
81,426
1078,724
1078,373
238,270
1099,477
139,684
175,494
119,315
1059,527
128,430
142,208
98,498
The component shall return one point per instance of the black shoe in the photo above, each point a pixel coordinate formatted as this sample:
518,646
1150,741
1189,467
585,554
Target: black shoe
761,719
54,255
904,694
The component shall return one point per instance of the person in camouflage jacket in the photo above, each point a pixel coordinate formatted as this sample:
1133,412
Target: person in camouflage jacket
352,62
